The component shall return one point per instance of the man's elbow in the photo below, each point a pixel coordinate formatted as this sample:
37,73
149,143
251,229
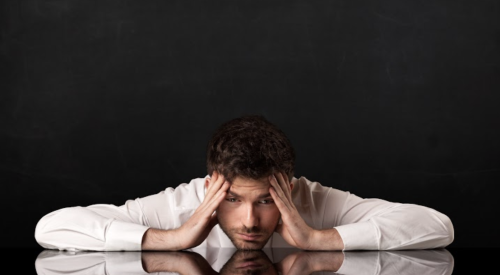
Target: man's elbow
449,230
44,231
41,233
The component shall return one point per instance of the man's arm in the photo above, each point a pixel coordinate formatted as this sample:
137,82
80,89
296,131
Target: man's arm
195,230
294,229
348,222
98,227
376,224
106,227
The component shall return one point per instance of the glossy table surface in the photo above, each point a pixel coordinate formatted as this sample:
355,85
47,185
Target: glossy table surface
272,261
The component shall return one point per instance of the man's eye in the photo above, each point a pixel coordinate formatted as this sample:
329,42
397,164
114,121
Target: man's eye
265,201
231,199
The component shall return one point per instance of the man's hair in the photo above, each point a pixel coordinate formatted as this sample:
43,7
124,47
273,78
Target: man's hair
251,147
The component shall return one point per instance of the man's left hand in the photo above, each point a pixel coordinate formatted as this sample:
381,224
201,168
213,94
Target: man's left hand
293,228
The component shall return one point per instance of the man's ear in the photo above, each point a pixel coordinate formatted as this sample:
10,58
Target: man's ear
207,182
289,180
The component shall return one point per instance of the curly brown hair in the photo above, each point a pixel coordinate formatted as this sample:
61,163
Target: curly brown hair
250,146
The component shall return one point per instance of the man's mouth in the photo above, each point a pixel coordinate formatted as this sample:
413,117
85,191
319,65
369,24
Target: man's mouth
248,265
249,237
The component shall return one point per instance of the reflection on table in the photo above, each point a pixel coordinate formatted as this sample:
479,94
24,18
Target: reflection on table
232,261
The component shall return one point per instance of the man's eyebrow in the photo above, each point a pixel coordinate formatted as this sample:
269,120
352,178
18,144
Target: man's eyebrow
234,194
263,196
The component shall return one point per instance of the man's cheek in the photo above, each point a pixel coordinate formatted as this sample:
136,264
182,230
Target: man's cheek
224,212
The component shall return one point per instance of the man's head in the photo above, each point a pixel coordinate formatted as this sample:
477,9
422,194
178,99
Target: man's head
251,147
246,151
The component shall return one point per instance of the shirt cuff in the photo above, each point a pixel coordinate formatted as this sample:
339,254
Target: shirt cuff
124,236
359,236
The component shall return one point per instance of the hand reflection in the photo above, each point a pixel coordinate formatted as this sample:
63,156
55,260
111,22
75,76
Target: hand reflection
223,261
307,262
182,262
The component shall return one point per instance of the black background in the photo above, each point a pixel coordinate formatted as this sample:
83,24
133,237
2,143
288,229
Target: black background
104,101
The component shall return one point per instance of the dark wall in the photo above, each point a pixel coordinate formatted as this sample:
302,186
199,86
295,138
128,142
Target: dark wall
104,101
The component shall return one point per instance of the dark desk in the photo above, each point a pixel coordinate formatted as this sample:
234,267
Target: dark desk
230,261
276,261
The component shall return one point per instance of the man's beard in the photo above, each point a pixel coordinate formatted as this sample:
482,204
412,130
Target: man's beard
246,245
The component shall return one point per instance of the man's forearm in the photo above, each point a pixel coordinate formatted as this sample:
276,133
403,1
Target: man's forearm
157,239
326,239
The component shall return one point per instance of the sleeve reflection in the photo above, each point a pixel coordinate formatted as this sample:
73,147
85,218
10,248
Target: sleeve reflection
229,261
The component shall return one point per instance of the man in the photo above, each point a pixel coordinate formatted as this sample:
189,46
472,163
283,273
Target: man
250,199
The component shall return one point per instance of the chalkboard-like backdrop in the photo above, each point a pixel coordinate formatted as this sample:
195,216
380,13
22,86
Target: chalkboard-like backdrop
104,101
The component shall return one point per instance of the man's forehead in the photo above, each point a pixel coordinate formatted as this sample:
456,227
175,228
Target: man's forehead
241,182
244,187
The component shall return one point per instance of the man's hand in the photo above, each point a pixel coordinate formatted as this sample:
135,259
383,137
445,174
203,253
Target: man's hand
293,228
195,230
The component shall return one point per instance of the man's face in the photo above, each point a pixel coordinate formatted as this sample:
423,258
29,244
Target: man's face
248,215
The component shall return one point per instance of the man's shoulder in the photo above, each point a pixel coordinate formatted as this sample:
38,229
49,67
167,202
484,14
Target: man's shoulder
195,188
193,182
305,185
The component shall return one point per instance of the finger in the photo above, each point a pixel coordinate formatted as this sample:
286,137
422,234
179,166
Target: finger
213,203
286,179
277,187
285,185
214,177
215,185
280,202
211,182
281,181
216,194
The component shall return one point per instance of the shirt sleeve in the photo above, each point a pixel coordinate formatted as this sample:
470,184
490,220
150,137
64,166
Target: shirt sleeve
377,224
106,227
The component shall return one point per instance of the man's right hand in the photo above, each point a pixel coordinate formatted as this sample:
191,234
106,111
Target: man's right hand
195,230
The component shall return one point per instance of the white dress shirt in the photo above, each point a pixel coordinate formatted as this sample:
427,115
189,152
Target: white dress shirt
363,223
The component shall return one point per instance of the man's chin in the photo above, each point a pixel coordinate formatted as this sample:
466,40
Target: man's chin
246,245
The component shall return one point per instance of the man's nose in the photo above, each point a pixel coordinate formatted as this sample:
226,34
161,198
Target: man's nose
251,218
